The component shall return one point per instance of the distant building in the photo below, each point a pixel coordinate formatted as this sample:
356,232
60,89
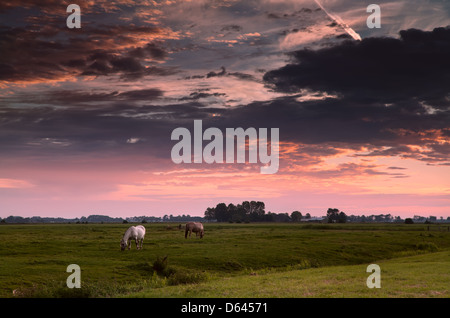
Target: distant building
314,219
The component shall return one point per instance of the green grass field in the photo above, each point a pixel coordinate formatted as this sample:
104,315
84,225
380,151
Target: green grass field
232,260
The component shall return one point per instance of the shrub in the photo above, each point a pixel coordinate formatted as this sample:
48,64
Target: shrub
427,246
185,277
143,266
160,265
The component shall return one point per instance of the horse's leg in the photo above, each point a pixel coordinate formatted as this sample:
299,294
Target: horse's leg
186,233
142,242
129,244
137,243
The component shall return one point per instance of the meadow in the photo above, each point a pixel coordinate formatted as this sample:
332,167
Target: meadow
232,260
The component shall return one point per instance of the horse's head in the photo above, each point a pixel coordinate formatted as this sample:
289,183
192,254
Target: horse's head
123,245
202,232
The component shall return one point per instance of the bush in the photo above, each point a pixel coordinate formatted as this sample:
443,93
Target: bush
160,265
176,276
427,246
143,267
185,277
409,221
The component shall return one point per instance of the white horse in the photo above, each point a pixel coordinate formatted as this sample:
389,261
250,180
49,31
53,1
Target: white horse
135,233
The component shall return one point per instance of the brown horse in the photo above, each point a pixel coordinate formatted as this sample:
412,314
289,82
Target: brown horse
195,227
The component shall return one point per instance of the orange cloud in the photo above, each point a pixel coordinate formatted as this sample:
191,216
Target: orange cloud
15,184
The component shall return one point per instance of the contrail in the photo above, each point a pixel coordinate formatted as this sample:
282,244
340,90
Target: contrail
339,21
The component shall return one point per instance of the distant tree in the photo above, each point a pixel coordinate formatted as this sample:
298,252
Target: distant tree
259,208
210,213
245,212
379,218
233,213
307,216
256,210
332,215
232,209
342,218
296,216
221,213
236,218
239,213
409,221
281,217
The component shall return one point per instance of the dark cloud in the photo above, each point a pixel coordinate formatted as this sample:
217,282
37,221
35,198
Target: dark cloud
149,50
38,132
68,98
37,53
322,127
384,69
142,94
222,72
272,15
385,131
199,95
232,28
344,36
243,76
391,95
130,68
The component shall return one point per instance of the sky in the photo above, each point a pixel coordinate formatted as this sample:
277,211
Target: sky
86,115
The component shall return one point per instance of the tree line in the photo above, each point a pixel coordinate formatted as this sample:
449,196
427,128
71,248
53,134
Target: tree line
249,211
254,211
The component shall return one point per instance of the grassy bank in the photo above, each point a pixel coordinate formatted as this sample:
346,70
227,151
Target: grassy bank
34,258
425,275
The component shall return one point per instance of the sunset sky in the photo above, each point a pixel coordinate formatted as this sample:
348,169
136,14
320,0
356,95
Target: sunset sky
86,114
